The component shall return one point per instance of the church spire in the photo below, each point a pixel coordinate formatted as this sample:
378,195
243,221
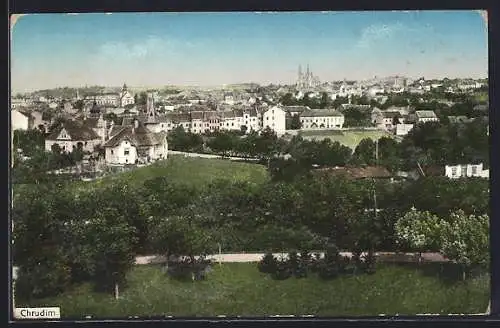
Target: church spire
150,109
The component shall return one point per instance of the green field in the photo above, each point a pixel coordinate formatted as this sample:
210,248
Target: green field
240,289
192,171
347,138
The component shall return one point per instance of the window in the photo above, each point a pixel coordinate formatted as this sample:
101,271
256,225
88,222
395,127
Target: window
111,151
454,171
126,151
474,169
464,171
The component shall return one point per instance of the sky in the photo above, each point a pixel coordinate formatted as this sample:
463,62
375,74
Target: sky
208,49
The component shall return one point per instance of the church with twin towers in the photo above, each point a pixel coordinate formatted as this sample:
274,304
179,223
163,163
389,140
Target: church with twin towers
307,80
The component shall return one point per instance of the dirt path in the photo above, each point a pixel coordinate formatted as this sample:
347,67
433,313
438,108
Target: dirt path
255,257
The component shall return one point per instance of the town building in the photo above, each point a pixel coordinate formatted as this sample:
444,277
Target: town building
403,129
275,119
465,171
424,116
125,98
21,120
321,119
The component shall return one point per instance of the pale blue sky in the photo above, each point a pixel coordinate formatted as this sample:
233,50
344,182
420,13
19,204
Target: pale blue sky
151,49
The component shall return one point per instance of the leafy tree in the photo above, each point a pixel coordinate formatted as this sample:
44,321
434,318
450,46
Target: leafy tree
113,240
43,269
180,140
354,116
325,100
295,123
79,104
112,117
364,152
180,236
244,129
222,143
465,240
420,230
29,141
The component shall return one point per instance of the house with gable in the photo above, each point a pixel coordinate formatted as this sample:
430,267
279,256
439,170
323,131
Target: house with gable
135,144
72,135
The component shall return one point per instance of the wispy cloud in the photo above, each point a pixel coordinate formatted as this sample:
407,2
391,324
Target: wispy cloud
376,33
151,46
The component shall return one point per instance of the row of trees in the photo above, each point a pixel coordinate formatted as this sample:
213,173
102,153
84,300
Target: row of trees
460,237
428,144
72,236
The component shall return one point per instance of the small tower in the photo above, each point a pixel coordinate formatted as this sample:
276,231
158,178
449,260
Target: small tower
150,109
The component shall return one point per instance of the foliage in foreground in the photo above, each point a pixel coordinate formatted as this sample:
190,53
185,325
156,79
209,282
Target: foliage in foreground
240,289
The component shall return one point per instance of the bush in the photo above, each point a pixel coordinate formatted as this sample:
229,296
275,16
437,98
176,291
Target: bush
283,270
268,264
304,263
189,269
330,266
42,279
370,264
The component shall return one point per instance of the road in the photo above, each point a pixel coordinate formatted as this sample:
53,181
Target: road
255,257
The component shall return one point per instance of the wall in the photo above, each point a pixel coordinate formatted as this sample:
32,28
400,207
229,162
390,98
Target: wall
19,120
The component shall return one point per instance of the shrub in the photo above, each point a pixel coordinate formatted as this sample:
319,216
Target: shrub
303,266
268,264
189,269
370,264
283,270
42,279
330,266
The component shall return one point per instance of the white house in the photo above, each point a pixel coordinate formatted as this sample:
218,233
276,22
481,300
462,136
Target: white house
275,119
321,119
403,129
251,119
386,119
465,170
424,116
135,144
21,120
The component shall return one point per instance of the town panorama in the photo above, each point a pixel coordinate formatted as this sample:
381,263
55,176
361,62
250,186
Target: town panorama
309,195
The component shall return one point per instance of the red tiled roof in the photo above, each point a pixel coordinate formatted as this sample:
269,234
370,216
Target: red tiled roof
358,172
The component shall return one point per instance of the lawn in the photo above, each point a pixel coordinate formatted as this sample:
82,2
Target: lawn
349,138
196,171
193,171
240,289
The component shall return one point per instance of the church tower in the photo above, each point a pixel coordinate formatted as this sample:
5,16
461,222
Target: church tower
150,109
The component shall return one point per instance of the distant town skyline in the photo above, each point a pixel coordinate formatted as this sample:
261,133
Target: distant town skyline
209,49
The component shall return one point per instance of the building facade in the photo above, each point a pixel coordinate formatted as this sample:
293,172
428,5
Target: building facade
321,119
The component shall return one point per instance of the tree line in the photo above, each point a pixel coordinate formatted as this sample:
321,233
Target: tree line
428,144
70,236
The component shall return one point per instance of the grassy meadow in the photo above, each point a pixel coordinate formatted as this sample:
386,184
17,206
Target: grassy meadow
194,171
240,289
349,138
